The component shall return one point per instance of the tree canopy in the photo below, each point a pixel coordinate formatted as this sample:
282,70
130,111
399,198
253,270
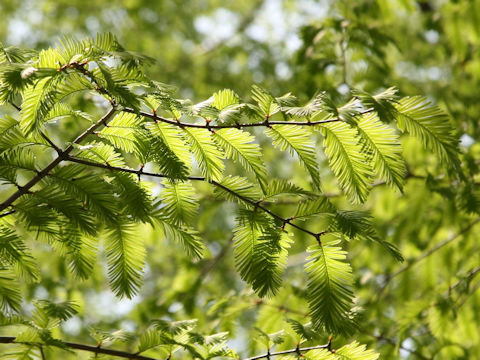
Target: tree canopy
247,180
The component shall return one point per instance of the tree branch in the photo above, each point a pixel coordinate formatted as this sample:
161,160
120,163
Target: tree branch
253,203
127,355
426,254
61,156
238,126
89,348
7,213
297,350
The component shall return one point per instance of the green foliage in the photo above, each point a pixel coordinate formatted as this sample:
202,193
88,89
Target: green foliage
330,293
238,146
385,149
421,118
209,158
108,179
297,141
125,258
345,159
260,252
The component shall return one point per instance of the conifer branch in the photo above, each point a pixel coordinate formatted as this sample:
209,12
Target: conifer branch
297,350
89,348
209,126
135,356
7,213
61,156
255,204
429,252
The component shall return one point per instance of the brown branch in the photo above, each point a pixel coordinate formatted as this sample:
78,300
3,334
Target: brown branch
50,142
7,213
89,348
180,124
296,350
62,155
18,108
253,203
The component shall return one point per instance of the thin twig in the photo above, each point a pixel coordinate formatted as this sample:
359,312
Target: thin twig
394,343
290,351
7,213
426,254
42,353
89,348
253,203
15,106
226,126
61,156
208,126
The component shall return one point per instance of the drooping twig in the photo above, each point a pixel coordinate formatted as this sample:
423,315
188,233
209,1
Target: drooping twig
60,157
251,202
7,213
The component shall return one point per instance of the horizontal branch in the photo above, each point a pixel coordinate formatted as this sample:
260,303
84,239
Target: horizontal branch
297,350
89,348
7,213
253,203
434,249
238,125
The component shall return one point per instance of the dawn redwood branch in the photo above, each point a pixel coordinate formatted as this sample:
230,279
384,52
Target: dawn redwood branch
83,347
469,277
7,213
297,350
255,204
393,342
127,355
61,156
266,123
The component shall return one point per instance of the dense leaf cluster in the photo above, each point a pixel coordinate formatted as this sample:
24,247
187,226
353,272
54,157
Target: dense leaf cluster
87,194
